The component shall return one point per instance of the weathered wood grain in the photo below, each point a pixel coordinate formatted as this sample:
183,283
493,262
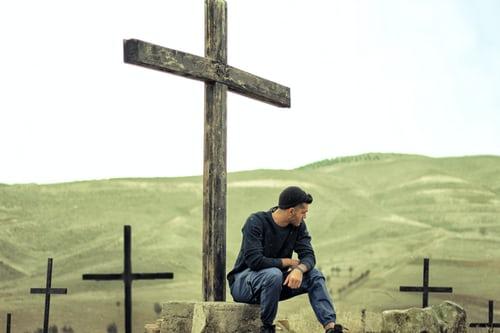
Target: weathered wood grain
215,152
191,66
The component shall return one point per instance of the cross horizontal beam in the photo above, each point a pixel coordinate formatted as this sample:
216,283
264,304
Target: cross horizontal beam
60,291
429,289
157,57
484,325
102,277
135,276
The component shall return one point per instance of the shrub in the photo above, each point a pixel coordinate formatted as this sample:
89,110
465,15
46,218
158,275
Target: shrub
157,308
112,328
67,329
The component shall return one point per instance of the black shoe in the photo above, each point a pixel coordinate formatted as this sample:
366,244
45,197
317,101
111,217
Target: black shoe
268,329
337,329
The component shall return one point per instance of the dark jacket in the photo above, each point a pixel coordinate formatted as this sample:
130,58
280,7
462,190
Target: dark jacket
264,243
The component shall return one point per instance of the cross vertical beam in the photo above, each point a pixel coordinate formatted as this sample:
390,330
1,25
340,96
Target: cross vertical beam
215,156
490,312
127,278
47,297
8,323
425,296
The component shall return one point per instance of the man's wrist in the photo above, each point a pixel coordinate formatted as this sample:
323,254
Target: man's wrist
299,268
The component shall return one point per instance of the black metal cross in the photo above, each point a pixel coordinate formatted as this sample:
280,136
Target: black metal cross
425,288
8,322
127,277
48,290
490,322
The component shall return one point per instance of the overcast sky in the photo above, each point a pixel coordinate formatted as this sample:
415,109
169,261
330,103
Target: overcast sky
420,77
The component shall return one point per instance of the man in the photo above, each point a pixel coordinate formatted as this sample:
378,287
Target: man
265,273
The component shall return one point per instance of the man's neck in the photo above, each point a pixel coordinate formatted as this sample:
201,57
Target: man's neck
279,219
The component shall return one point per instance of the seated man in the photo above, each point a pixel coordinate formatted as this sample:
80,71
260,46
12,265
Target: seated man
265,272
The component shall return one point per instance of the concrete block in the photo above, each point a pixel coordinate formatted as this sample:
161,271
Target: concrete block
207,317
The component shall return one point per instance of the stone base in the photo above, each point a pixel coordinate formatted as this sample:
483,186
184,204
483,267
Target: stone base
207,317
445,317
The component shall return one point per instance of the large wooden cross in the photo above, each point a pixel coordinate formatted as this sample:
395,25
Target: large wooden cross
218,77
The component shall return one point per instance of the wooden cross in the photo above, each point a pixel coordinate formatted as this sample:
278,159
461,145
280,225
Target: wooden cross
490,324
218,77
48,290
425,288
127,277
8,323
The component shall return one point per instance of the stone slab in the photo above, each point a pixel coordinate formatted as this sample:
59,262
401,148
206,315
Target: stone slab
207,317
446,317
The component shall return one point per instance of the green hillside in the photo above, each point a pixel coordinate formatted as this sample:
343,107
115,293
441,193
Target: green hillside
378,212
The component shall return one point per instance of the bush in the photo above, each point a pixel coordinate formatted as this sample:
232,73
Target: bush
112,328
67,329
157,308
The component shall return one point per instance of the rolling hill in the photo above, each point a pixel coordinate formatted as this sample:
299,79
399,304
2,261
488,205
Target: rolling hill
378,212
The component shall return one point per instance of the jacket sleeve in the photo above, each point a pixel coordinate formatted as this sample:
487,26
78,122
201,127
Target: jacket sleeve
253,249
303,247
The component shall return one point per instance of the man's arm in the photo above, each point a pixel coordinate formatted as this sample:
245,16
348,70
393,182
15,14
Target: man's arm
304,249
307,259
290,262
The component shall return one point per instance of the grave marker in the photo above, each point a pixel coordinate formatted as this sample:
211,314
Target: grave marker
48,290
127,277
425,289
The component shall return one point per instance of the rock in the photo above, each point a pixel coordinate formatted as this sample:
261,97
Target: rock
153,328
446,317
207,317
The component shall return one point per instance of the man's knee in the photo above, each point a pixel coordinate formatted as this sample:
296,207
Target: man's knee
272,276
315,274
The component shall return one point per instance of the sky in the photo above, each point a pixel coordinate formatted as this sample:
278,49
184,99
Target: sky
395,76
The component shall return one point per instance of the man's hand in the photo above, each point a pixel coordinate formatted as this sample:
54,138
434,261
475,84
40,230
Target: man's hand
289,262
294,279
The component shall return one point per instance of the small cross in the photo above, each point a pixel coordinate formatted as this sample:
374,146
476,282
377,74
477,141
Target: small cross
48,290
425,288
8,323
127,277
490,324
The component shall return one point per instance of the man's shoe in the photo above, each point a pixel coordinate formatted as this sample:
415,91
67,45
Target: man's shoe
337,329
268,329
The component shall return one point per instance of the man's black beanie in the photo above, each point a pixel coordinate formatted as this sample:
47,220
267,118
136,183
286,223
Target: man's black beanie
293,196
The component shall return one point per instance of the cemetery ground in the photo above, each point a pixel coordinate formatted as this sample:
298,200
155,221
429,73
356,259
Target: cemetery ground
378,212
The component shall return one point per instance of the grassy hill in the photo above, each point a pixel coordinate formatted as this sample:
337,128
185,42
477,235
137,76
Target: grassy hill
377,212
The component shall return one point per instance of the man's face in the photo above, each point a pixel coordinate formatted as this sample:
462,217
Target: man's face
298,214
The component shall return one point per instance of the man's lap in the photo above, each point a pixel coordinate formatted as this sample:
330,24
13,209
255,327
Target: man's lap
248,284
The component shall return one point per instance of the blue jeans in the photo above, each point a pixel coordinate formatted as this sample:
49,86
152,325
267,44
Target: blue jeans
265,287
